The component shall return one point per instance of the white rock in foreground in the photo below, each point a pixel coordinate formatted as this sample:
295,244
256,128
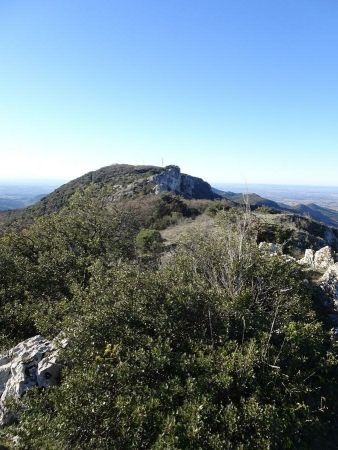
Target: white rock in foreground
324,261
33,362
331,271
321,260
329,284
308,257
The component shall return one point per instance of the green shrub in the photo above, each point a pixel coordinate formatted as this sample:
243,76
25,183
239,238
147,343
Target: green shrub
41,266
215,208
149,241
274,233
219,349
266,210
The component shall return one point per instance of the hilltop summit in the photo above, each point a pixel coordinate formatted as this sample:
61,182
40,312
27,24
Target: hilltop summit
126,181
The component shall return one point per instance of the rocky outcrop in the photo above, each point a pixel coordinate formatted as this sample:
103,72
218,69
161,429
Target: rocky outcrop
308,258
320,260
324,261
323,258
33,362
169,179
172,180
329,285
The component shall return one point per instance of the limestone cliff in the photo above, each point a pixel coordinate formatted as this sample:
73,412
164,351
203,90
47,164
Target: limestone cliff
172,180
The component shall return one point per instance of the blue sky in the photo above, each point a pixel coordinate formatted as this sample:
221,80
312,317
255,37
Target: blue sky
233,91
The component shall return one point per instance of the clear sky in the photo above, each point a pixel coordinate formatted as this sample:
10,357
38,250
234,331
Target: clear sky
230,90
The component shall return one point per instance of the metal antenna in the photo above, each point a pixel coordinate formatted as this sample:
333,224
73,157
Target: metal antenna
162,162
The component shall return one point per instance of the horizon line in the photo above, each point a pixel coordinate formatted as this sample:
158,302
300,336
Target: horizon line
60,181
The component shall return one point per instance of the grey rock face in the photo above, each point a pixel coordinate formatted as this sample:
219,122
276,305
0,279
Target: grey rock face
168,181
33,362
172,180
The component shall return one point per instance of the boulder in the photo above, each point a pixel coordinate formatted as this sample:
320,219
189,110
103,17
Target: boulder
323,258
308,258
31,363
320,260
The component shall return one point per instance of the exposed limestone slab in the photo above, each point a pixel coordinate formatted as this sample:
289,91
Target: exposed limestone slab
33,362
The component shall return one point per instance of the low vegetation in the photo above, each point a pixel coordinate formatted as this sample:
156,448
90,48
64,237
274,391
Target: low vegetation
220,347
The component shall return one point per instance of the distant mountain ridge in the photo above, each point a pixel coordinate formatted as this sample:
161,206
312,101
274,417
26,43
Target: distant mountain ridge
316,212
128,181
319,213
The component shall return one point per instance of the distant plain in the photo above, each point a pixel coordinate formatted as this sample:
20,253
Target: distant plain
326,196
20,194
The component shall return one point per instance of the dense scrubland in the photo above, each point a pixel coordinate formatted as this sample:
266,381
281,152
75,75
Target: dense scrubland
200,343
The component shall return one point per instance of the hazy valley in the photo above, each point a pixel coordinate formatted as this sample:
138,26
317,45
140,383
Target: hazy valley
18,194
